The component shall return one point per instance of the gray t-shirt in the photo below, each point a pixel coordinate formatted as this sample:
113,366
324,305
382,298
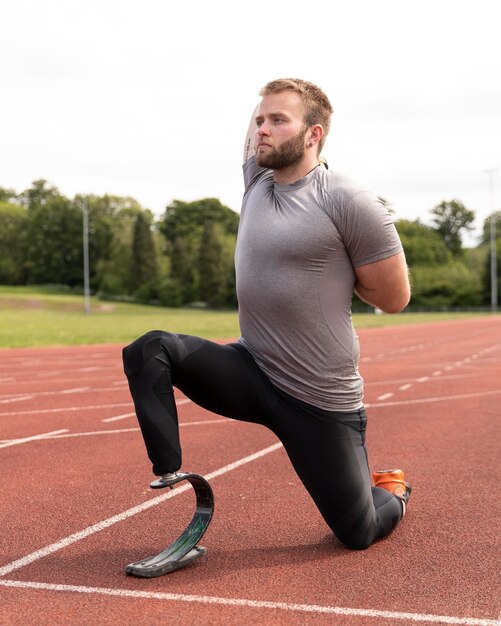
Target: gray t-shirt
296,249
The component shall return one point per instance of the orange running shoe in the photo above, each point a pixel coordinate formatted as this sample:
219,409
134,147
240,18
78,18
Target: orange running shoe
393,481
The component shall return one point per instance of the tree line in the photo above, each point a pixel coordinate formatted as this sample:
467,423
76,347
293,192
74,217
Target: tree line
185,257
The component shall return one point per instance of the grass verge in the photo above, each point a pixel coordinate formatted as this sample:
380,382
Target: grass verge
41,316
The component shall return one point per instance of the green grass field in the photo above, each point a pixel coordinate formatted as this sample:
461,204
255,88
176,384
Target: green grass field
32,316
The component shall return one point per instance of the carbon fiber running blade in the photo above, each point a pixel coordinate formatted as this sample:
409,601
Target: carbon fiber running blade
182,550
159,565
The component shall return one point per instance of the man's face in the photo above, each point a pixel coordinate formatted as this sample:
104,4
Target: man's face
280,136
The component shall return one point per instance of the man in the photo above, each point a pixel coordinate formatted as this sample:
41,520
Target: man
308,238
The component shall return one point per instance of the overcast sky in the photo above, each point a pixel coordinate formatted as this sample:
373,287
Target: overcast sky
152,98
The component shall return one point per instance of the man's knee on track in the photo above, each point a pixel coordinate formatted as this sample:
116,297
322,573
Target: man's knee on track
140,351
356,543
356,539
363,536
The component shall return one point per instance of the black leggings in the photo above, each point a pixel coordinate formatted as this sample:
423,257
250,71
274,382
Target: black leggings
327,449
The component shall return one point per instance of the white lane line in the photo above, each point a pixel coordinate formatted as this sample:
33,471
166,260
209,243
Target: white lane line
479,394
405,387
83,407
15,398
128,404
73,374
253,604
120,517
117,431
7,380
91,433
16,442
135,429
126,415
67,435
437,373
222,420
401,381
117,418
57,392
385,396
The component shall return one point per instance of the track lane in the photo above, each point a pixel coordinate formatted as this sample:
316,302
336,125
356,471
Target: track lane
438,562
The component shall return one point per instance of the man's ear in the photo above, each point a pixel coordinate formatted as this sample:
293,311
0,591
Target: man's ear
316,134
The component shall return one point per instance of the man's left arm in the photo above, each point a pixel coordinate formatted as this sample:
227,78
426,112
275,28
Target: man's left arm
384,284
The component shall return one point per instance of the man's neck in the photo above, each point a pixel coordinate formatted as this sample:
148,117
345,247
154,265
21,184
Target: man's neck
292,173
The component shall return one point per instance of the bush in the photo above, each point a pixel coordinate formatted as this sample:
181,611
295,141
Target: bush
111,285
451,285
169,293
147,293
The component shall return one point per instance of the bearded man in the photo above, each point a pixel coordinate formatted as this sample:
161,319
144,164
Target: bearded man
308,239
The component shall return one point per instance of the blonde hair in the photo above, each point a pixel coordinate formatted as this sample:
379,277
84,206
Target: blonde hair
317,108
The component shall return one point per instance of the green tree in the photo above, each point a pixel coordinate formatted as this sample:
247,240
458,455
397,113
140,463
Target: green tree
486,276
100,222
183,225
111,223
229,293
211,267
477,260
39,194
486,246
445,286
486,231
422,244
451,219
144,262
8,195
186,219
184,265
117,217
54,242
13,220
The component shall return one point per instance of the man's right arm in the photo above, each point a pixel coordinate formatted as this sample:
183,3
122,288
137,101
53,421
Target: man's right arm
249,149
384,284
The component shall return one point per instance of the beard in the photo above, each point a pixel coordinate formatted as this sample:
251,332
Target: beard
287,154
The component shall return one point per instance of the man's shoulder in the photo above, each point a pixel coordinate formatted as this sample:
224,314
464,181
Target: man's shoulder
254,172
337,181
340,191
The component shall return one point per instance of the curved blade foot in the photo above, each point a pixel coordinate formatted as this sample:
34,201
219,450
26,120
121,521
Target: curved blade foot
153,567
183,550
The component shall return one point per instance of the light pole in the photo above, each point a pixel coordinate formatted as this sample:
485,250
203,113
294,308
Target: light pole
85,229
494,273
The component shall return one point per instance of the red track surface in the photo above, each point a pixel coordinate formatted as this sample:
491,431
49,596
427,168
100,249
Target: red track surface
433,394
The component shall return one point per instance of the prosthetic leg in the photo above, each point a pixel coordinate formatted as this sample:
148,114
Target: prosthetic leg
184,549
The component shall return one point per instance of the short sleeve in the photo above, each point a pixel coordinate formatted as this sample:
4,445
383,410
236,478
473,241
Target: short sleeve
368,230
252,172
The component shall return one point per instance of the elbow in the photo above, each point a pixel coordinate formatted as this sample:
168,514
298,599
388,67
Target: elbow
394,309
396,304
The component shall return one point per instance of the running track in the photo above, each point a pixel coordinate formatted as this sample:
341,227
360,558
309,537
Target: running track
76,507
